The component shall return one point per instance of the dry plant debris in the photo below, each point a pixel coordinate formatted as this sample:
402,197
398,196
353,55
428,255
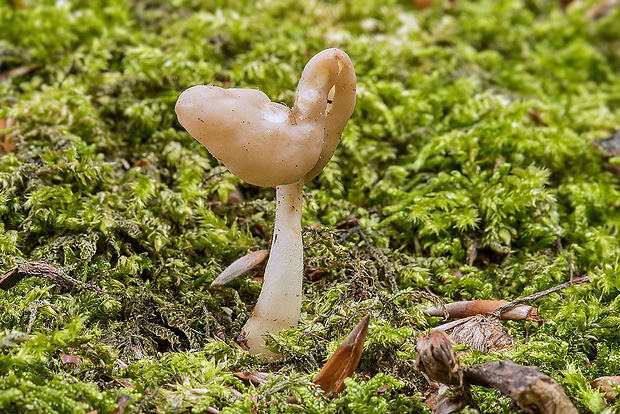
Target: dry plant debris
460,188
344,361
241,266
608,386
533,391
35,269
466,308
482,332
527,386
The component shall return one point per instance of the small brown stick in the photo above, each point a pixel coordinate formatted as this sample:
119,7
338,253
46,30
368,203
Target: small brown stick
497,312
572,271
42,270
35,269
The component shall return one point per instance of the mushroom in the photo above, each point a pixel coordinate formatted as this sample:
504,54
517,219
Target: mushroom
270,145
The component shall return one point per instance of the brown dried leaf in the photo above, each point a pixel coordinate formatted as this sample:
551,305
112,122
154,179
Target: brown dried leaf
314,274
536,117
6,140
241,266
71,359
344,361
422,4
482,332
608,386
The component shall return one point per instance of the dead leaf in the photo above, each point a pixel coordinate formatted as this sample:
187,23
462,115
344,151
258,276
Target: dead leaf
608,386
344,361
422,4
482,332
314,274
6,140
71,359
142,162
240,267
536,117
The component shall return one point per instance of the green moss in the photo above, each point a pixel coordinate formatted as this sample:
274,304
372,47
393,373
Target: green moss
469,155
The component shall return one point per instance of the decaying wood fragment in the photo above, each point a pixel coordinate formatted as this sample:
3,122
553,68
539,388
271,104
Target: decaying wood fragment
608,386
344,361
533,391
35,269
241,266
466,308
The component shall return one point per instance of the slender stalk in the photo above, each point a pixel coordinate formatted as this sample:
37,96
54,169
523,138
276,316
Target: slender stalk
279,303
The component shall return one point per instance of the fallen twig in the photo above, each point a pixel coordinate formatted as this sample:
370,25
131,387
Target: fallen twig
35,269
498,312
532,390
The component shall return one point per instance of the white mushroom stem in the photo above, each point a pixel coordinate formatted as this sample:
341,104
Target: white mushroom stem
279,303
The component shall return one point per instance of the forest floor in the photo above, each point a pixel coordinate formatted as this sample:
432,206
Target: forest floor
480,163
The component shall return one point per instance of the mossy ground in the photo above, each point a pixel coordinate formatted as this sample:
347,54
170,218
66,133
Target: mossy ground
473,129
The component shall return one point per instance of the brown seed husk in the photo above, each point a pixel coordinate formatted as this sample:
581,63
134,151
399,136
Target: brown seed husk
344,361
241,266
435,357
